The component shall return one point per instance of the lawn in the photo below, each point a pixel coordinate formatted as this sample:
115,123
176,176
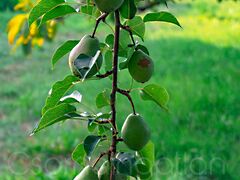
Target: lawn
200,67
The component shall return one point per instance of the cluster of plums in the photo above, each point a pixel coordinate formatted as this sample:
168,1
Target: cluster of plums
140,65
88,173
135,134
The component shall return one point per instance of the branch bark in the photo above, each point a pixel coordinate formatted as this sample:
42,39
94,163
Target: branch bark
108,73
126,93
114,91
104,122
99,158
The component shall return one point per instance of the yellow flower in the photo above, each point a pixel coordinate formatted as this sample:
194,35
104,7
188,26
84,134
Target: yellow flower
33,31
14,26
38,41
24,5
51,28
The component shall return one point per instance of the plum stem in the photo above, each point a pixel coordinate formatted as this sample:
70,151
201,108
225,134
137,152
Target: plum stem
127,28
126,93
99,158
102,17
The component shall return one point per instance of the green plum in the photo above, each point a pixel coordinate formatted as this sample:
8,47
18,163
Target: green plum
135,132
104,173
140,66
81,55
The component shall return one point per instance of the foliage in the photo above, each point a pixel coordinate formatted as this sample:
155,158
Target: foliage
7,4
30,39
121,43
20,35
203,85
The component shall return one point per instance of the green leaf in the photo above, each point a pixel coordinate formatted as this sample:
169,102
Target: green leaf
63,50
162,16
90,144
108,57
57,92
137,26
41,8
143,172
125,163
128,9
147,155
103,99
72,98
57,12
143,48
102,116
91,125
89,10
79,154
102,129
81,64
54,115
92,61
125,39
110,40
155,93
124,64
86,9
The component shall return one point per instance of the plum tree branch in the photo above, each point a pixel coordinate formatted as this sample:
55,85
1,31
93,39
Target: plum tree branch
108,73
99,158
113,147
126,93
104,122
102,17
120,139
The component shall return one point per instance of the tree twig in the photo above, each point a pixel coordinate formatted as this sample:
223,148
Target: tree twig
114,90
120,139
127,28
99,19
99,158
103,121
108,73
126,93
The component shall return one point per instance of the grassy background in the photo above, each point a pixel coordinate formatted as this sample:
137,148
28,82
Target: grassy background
199,65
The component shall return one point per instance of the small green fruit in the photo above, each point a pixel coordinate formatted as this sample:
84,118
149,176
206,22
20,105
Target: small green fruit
87,173
135,132
108,6
140,66
104,173
81,54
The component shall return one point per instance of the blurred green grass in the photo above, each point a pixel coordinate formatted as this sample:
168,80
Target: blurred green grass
199,65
